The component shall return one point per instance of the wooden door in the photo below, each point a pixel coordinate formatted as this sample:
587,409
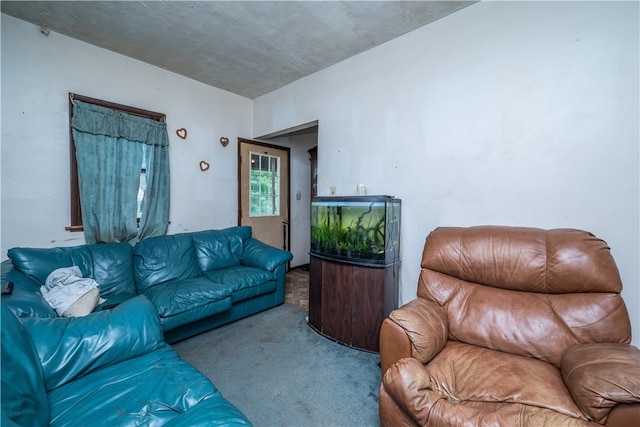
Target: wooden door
263,182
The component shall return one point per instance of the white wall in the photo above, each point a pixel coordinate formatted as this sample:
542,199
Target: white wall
511,113
37,74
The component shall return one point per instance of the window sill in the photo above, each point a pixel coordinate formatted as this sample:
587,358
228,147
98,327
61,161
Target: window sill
78,228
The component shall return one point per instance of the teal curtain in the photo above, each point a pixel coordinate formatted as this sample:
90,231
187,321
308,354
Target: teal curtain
155,205
110,148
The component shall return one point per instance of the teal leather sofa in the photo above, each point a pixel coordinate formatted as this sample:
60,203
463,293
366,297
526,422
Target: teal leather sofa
196,281
110,368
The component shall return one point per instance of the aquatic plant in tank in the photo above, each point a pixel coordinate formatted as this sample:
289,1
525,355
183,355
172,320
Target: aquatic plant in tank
361,229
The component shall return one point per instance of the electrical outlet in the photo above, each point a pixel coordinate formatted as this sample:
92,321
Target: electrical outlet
332,191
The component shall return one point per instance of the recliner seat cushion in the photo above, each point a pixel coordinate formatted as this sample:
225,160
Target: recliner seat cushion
409,385
464,372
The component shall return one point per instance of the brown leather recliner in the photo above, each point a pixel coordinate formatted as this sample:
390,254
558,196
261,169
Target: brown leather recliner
511,327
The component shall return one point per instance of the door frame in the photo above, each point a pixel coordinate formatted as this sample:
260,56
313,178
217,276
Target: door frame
239,182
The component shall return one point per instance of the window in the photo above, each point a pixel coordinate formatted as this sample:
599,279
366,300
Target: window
76,210
141,189
265,185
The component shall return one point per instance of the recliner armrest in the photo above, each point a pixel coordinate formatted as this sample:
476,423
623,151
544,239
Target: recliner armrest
600,376
72,347
424,324
260,255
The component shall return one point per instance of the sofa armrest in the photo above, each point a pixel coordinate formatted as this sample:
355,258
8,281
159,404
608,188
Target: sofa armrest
215,411
600,376
260,255
419,328
26,299
72,347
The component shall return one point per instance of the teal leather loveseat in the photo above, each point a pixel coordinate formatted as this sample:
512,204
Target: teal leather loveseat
196,281
110,368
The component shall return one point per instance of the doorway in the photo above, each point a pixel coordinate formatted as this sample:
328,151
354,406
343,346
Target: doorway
299,140
263,180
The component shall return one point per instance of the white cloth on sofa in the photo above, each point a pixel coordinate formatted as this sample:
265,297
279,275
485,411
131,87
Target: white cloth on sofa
66,286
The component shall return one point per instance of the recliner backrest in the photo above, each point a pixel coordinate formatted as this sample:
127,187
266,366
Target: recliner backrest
523,290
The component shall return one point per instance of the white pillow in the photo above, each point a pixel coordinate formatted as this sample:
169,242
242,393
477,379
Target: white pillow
83,305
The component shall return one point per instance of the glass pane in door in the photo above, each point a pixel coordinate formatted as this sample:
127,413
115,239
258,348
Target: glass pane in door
265,185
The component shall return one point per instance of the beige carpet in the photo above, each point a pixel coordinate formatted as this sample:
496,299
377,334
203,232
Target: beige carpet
280,372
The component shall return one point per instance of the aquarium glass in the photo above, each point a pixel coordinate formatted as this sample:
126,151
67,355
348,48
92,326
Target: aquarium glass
359,229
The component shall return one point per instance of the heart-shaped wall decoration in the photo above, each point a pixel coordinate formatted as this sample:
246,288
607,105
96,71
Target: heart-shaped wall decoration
204,165
224,141
182,133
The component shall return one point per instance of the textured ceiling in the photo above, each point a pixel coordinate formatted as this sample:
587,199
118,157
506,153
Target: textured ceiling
246,47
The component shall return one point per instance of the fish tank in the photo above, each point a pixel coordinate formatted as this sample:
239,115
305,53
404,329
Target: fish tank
356,229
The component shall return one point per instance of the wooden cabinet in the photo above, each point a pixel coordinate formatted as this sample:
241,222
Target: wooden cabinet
313,159
347,302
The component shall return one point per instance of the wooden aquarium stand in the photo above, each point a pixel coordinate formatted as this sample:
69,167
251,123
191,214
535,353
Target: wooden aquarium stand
348,301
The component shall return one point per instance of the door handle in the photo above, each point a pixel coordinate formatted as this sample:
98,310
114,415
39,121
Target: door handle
285,222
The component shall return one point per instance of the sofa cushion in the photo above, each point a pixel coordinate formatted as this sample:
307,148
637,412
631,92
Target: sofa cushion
151,390
217,249
178,296
72,347
25,301
114,300
260,255
245,282
38,263
24,399
113,268
160,259
109,264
